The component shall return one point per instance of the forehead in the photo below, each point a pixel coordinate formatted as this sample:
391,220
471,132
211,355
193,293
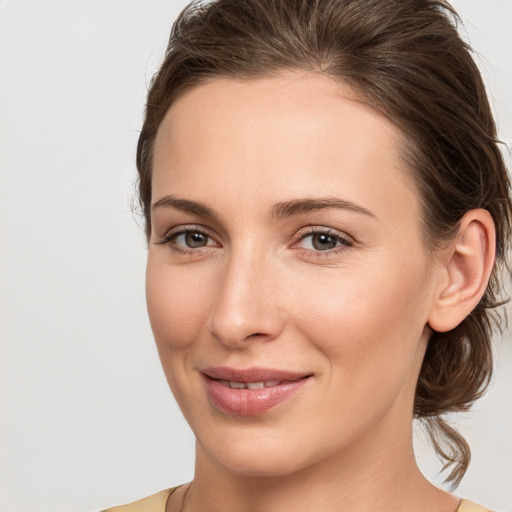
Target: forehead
294,134
305,105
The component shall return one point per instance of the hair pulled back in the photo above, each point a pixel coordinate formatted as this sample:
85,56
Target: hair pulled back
405,59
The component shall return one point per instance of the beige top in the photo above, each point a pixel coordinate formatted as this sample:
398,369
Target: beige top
156,503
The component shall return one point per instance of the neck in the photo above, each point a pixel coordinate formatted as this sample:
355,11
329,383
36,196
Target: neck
380,477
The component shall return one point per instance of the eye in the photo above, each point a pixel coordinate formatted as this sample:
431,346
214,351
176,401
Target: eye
187,240
191,239
323,240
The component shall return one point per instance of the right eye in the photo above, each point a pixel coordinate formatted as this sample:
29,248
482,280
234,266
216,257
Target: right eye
191,239
187,240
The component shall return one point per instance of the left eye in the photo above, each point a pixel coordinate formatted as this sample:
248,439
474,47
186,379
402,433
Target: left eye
322,241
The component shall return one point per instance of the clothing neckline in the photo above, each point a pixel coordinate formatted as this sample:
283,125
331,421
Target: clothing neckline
463,506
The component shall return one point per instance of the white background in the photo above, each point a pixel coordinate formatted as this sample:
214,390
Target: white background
86,419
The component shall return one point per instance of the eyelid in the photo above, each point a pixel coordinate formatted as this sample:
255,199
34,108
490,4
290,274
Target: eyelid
346,240
174,232
168,238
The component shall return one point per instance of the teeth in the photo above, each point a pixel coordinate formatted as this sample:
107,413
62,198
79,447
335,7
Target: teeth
250,385
237,385
255,385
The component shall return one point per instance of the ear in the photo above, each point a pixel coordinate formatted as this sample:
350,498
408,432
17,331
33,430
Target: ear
464,271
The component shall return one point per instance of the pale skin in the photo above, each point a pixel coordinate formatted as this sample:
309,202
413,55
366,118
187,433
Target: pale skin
286,235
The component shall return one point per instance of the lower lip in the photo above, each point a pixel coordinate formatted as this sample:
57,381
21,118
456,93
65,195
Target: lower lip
251,402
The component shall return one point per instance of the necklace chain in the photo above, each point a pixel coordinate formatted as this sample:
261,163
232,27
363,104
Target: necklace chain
182,508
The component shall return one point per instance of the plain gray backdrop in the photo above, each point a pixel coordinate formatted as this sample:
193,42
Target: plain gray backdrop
86,418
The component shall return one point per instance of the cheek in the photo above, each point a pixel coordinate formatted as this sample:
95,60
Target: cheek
177,304
369,334
366,322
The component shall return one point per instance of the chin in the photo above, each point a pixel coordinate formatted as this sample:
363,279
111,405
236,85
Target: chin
263,456
257,465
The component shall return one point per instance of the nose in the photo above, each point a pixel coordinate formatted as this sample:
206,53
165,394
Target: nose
247,306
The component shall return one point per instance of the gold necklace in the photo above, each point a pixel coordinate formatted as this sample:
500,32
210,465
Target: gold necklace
182,508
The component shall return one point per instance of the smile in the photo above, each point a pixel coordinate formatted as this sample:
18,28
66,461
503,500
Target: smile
251,392
250,385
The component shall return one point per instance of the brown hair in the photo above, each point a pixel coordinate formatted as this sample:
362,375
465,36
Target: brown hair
406,59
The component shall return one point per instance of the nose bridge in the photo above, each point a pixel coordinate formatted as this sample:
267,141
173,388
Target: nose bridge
246,305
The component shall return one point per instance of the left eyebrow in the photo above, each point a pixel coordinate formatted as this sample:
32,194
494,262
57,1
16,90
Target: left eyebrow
298,206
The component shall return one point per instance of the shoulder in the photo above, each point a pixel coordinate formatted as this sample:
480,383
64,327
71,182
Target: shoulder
153,503
469,506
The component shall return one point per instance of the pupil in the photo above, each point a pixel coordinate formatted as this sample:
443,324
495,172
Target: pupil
324,242
195,240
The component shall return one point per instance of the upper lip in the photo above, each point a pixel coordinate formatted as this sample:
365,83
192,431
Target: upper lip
251,374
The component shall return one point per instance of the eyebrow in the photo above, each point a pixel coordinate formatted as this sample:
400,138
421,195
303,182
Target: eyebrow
184,205
279,210
305,205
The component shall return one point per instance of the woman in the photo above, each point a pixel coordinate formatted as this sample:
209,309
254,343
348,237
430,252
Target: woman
327,213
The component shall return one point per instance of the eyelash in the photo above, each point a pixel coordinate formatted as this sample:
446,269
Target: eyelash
343,241
170,237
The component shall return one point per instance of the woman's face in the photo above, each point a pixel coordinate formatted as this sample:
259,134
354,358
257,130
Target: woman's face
288,286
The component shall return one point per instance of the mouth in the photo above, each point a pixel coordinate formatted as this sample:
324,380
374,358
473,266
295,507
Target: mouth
253,391
251,385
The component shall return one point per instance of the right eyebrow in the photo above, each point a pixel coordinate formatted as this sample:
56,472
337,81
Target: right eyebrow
185,205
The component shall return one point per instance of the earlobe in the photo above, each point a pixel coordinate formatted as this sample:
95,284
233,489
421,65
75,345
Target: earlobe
464,271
